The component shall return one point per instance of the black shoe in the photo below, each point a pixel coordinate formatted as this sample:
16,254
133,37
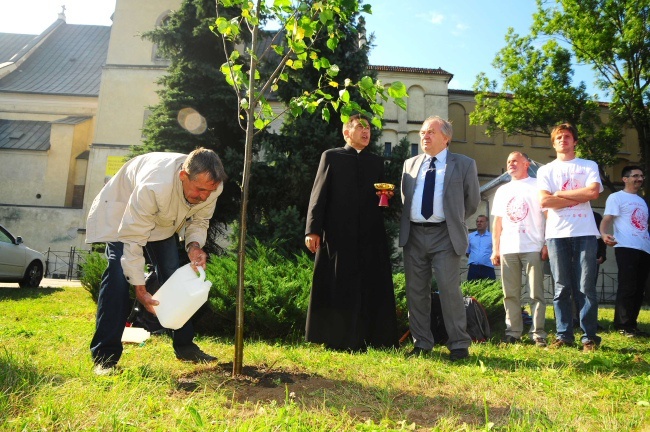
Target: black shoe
418,352
510,340
193,353
458,354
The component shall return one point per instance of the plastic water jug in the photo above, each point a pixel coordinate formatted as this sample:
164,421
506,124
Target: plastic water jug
181,296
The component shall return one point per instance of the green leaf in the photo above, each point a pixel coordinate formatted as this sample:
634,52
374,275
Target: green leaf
344,95
378,109
332,43
326,114
194,413
376,121
366,83
259,124
400,103
326,16
397,89
282,3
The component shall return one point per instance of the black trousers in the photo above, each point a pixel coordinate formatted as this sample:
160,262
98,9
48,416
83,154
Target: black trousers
633,269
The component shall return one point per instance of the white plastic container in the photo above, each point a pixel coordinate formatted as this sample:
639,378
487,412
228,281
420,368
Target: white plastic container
181,296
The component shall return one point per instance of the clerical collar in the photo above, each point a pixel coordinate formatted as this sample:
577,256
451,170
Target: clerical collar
349,147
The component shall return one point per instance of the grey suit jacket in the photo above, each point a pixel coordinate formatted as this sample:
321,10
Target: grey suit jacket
461,196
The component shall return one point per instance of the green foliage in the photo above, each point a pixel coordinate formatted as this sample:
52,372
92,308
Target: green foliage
399,283
276,292
612,36
393,166
309,33
537,93
91,273
280,228
490,294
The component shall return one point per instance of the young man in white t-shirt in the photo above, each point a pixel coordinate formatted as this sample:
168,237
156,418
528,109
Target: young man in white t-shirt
628,212
566,186
518,241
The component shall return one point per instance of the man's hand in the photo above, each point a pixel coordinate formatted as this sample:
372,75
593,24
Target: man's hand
388,193
198,258
544,253
609,239
145,298
496,259
312,241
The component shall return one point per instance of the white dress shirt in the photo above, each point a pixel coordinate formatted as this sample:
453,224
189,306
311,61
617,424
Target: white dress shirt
416,203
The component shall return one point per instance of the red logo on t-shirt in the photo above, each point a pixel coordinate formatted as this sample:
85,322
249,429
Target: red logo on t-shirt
571,184
639,220
516,209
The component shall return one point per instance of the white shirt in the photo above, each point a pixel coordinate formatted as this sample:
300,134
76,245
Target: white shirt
416,203
522,220
578,220
630,220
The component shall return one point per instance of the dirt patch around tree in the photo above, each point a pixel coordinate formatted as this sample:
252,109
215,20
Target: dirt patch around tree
264,384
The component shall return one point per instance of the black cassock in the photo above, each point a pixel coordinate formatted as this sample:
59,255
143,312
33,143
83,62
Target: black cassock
352,303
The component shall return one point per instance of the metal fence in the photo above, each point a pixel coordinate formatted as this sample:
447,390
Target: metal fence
65,264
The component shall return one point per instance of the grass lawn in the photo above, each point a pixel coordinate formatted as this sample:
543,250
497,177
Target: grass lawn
47,383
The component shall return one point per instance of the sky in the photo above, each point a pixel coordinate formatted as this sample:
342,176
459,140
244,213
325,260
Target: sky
462,37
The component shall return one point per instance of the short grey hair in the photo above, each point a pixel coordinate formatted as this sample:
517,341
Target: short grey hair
202,160
445,126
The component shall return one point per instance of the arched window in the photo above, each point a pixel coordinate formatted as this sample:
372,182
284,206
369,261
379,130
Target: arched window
415,106
156,56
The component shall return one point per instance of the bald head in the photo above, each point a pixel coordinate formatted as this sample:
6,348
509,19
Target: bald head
517,165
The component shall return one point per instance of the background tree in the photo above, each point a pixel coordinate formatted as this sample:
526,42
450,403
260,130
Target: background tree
301,24
196,105
393,171
537,93
613,36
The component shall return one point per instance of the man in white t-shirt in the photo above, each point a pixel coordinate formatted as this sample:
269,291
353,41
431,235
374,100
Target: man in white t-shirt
566,186
518,241
628,212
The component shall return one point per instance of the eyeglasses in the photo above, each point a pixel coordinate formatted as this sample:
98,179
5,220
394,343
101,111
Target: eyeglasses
641,176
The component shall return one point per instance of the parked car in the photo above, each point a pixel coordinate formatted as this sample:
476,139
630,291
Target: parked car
18,263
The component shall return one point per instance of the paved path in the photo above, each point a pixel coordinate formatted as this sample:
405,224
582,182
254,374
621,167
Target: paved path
48,283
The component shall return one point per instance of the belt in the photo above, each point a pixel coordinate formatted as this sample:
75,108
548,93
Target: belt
428,224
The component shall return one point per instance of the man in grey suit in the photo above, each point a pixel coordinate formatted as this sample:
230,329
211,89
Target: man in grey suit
439,191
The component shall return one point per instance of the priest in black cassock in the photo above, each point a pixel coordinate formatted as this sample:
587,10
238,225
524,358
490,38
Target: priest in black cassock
352,303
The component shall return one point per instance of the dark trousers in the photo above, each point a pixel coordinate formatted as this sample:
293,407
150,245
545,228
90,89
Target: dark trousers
478,271
114,303
633,269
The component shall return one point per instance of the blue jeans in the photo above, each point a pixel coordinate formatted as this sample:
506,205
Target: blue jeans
114,304
573,265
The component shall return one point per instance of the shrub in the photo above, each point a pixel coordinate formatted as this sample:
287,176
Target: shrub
399,283
276,292
91,273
